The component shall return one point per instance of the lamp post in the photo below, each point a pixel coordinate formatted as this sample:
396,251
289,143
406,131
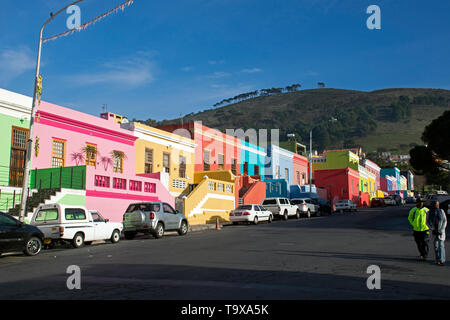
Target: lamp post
26,174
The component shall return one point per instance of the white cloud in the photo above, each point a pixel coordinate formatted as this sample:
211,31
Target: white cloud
126,72
15,62
214,62
253,70
187,69
218,75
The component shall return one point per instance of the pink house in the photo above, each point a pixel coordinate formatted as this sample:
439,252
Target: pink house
68,138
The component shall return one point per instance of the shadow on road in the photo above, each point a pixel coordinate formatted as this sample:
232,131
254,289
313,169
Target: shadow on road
155,281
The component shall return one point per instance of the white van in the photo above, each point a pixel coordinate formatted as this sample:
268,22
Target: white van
74,224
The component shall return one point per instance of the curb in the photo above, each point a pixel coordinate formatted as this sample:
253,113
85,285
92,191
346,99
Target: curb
203,227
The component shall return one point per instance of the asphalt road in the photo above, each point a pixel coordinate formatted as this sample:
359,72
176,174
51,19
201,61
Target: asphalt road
318,258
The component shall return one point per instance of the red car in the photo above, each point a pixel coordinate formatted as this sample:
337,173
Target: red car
378,202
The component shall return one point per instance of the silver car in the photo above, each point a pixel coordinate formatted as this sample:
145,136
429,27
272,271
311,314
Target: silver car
153,218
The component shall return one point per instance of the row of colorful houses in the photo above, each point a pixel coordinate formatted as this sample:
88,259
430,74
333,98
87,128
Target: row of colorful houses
105,163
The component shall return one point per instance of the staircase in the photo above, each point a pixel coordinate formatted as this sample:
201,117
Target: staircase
34,201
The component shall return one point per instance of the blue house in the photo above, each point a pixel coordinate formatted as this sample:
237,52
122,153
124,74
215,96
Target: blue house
279,165
394,172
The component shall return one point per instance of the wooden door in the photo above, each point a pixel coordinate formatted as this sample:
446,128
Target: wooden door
19,137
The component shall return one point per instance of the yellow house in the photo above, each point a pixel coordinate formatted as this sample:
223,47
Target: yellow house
169,154
213,197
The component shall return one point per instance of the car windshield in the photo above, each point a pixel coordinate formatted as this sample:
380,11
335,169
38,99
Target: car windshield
298,201
269,201
246,207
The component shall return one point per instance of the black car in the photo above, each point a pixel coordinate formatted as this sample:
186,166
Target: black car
324,205
16,236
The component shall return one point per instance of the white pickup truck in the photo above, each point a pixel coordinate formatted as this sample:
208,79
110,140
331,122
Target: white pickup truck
281,207
74,224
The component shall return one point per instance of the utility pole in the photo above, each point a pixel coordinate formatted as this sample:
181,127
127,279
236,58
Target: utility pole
26,173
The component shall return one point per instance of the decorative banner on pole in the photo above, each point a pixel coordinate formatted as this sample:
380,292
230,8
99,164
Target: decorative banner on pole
39,88
84,26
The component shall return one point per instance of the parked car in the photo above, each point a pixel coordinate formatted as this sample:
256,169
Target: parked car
346,205
431,198
74,224
306,206
16,236
377,202
153,218
281,207
389,201
250,213
324,205
410,200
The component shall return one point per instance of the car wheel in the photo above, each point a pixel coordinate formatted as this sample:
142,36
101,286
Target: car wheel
297,214
308,214
115,237
33,246
183,228
129,235
78,240
255,221
285,216
159,233
270,219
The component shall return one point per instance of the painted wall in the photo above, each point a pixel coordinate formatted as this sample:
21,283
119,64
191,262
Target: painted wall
282,159
342,184
300,167
394,172
340,159
103,193
211,140
14,111
161,142
254,156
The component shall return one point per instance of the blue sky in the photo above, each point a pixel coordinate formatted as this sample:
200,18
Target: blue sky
158,59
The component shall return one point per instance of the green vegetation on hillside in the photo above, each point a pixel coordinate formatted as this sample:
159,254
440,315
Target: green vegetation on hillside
392,119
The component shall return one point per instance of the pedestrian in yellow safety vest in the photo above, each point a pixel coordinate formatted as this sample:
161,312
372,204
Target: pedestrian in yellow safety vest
418,219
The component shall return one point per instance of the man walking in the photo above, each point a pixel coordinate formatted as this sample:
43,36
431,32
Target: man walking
438,222
418,219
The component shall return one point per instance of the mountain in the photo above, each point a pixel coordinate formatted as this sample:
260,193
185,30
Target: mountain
381,120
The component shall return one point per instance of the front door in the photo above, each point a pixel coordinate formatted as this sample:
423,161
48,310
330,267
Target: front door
19,137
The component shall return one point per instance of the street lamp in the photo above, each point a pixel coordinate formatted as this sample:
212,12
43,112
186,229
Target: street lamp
37,86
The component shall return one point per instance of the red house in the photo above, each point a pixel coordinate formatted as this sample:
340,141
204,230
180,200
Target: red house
341,184
214,150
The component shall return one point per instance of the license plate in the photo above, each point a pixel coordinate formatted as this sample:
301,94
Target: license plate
47,241
54,229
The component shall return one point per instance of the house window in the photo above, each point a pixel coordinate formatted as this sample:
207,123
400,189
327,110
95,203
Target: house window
119,183
91,155
148,160
229,188
118,161
220,187
211,185
298,177
220,160
58,150
256,170
233,165
166,162
19,138
182,169
101,181
245,168
135,185
150,187
286,173
206,166
277,172
303,178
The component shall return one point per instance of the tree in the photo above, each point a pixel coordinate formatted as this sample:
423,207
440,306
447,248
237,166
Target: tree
437,136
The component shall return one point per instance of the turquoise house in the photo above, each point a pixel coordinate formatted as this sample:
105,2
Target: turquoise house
253,159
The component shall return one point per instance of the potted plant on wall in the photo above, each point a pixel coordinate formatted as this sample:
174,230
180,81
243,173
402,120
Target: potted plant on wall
91,153
118,157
